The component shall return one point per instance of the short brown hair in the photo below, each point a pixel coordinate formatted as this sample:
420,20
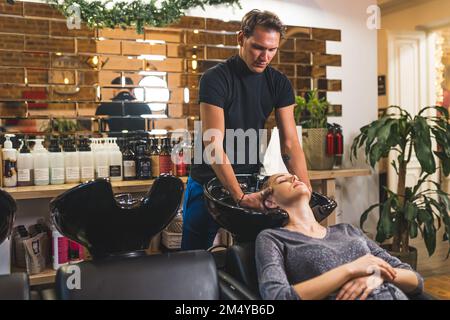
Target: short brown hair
264,19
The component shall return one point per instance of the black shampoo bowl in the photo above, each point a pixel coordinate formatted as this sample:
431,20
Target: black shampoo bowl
90,215
245,224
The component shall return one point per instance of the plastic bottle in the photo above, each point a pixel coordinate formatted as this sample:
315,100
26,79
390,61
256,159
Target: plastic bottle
25,174
56,159
41,164
86,161
71,162
9,162
101,160
60,249
129,163
115,160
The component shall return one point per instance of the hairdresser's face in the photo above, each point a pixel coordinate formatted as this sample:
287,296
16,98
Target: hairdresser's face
258,50
288,189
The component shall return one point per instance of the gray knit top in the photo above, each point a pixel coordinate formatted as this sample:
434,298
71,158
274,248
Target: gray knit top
285,258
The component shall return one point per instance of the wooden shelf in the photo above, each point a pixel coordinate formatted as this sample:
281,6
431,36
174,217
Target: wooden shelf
339,173
46,277
51,191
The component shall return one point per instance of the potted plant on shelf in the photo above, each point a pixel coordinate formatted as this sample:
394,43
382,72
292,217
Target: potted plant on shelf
311,113
409,209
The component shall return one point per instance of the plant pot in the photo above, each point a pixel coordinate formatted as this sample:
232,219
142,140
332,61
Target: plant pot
409,258
314,147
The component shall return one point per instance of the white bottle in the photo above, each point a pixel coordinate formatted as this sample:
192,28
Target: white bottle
102,160
25,173
86,161
71,162
9,162
115,161
41,164
56,159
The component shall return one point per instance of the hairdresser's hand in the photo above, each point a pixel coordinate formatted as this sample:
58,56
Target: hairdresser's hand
359,287
369,264
254,200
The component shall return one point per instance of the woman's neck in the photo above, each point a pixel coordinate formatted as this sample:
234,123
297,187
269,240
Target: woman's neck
301,217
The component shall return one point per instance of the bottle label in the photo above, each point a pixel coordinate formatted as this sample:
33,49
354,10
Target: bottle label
165,164
155,165
102,172
23,175
87,173
9,168
115,171
41,174
72,173
129,169
145,169
57,173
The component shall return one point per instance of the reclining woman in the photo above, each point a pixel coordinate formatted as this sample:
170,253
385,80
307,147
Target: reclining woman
304,260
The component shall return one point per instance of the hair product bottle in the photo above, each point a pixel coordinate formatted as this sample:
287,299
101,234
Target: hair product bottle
71,162
60,249
165,161
9,162
25,174
154,156
129,163
86,160
115,161
143,164
101,160
56,159
41,164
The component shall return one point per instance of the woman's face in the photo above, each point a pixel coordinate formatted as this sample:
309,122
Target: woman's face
288,189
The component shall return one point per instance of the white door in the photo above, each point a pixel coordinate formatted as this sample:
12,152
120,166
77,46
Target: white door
410,83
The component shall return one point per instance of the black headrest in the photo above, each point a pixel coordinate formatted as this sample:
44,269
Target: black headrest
7,214
245,224
90,215
188,275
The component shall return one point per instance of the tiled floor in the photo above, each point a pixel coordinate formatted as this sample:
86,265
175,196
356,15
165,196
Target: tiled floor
438,286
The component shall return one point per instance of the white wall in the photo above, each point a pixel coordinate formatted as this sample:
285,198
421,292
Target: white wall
358,73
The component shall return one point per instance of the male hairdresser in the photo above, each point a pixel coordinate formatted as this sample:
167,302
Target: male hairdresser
241,93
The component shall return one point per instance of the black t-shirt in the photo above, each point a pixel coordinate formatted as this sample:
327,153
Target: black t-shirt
248,99
121,107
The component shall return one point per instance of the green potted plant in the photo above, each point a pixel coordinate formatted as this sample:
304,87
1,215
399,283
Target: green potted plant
409,209
311,113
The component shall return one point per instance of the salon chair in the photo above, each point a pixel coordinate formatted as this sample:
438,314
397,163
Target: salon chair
116,230
238,278
13,286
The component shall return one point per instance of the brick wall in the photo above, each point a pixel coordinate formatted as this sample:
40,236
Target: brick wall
48,70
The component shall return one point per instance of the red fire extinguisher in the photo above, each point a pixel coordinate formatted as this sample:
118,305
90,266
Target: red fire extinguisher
338,146
338,141
330,142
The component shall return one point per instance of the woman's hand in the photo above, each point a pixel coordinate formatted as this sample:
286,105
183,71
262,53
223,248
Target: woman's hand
359,287
369,264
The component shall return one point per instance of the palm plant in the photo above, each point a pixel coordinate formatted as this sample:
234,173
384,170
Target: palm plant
409,210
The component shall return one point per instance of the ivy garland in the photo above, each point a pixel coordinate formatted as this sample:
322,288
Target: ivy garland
138,13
